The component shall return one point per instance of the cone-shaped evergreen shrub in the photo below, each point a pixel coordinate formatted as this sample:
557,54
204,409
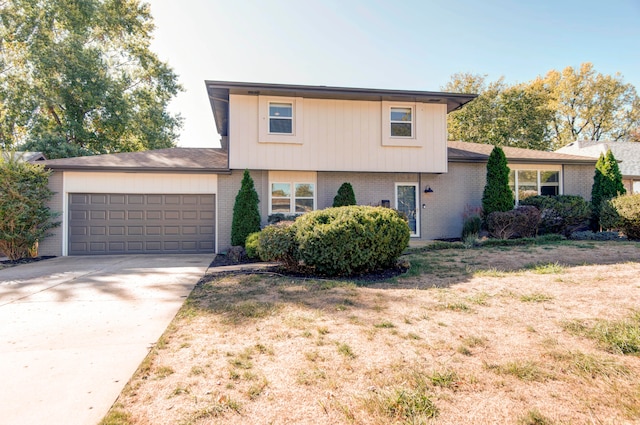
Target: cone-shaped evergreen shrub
345,196
246,216
607,184
497,195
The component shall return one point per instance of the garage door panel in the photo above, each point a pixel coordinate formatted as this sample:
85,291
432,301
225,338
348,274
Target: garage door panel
135,223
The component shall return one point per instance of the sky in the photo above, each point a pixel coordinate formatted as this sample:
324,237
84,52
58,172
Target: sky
408,44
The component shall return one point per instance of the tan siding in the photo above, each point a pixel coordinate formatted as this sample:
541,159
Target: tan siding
53,244
338,135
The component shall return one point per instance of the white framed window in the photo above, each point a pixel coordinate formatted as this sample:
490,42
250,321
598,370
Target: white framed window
284,200
401,121
280,118
531,182
407,203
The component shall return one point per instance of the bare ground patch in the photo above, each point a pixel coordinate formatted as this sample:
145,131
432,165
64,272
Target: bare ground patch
467,337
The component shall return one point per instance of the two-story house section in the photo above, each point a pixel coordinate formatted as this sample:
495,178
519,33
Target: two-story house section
302,142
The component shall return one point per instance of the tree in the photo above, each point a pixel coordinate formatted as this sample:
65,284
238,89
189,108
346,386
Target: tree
497,195
607,184
345,196
246,216
25,218
590,106
515,116
79,78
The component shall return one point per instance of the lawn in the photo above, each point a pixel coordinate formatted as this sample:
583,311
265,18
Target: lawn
520,335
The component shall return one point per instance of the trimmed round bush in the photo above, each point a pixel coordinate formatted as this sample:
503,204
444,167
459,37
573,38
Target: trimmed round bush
521,222
251,245
277,243
562,214
350,240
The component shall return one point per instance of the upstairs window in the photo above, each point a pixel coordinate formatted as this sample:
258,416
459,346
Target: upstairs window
281,118
401,122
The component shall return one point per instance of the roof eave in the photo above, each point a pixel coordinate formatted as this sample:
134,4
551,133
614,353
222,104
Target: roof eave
186,170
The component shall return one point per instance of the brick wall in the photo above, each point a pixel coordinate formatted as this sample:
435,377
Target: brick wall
53,244
578,180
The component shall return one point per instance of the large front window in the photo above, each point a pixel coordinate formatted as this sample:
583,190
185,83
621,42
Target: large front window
297,201
526,183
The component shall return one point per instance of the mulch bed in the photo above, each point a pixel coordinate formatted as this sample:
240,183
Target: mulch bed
10,263
376,276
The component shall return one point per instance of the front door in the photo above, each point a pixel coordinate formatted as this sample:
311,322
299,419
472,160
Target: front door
407,203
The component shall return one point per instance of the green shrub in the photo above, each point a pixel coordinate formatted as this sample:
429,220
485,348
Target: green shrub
520,222
627,214
251,245
471,226
246,216
25,218
562,214
350,240
607,184
277,243
497,195
345,196
588,235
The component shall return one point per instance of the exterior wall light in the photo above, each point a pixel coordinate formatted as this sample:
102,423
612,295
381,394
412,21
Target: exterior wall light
428,189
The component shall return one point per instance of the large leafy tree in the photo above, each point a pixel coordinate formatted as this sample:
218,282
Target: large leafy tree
502,115
546,113
78,77
590,106
497,195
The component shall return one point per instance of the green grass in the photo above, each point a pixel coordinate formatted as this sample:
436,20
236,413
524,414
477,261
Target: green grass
164,371
404,405
385,324
116,416
617,336
535,297
346,350
546,268
523,370
534,417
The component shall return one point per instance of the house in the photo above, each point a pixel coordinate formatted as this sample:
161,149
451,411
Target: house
300,143
26,156
627,153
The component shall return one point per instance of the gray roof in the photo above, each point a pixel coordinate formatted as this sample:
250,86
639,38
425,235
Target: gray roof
627,153
476,152
219,96
25,155
209,160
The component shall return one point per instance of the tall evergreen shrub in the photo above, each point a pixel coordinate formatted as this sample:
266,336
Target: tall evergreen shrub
246,216
345,196
25,218
497,195
607,184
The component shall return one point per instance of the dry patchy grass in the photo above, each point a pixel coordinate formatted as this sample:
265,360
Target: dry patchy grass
474,336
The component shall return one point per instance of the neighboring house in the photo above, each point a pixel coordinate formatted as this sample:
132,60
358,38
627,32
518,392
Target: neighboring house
300,143
627,153
25,155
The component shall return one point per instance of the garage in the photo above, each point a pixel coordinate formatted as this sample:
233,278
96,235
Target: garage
120,223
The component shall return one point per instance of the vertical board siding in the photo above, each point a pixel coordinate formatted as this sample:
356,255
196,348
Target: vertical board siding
338,135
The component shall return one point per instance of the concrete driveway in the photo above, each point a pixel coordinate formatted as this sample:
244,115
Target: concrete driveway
74,329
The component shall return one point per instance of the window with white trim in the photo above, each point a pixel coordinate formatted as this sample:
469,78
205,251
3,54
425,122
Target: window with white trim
526,183
280,118
299,201
401,120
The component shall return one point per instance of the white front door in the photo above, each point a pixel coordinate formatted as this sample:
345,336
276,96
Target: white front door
407,203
